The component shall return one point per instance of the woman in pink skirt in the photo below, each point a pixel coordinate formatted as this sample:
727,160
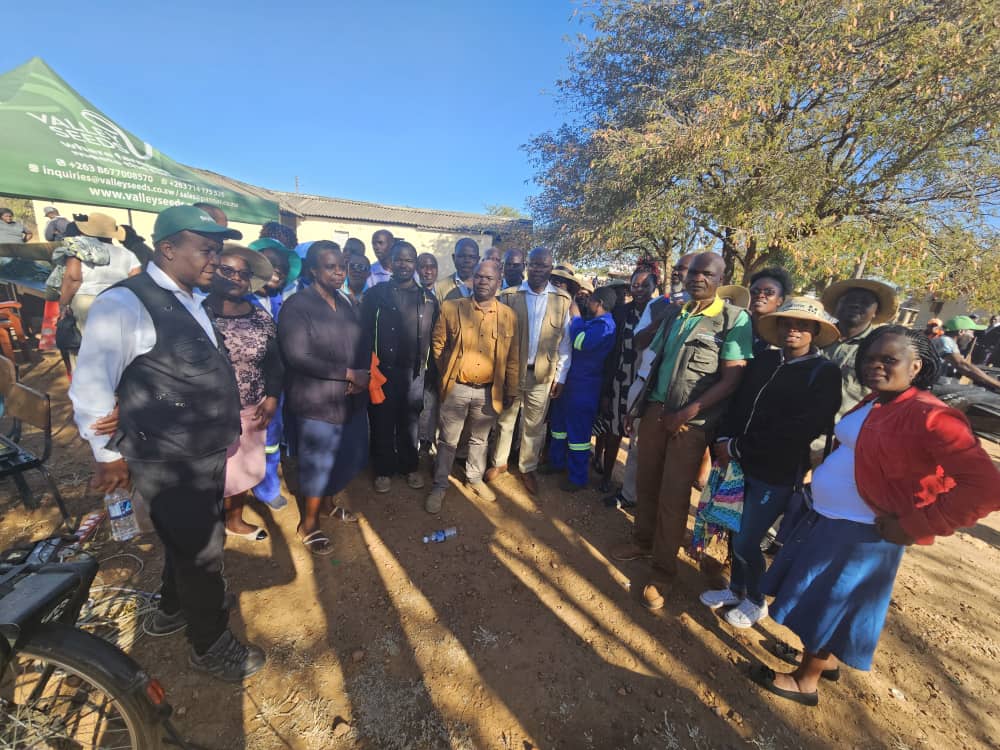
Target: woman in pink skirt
250,337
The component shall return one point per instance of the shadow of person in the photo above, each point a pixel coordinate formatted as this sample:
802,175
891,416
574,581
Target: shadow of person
519,622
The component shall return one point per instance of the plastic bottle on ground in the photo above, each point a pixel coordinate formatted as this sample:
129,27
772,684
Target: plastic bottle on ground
124,524
440,536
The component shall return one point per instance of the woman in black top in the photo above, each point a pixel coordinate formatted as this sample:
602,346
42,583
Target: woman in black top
326,389
787,398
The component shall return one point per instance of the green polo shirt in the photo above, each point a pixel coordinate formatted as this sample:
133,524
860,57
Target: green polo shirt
738,344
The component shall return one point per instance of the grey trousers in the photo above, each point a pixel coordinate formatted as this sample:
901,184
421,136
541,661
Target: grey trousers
429,416
631,464
464,406
533,403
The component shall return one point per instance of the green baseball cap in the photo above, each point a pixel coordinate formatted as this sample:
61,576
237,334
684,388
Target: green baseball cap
294,261
962,323
179,218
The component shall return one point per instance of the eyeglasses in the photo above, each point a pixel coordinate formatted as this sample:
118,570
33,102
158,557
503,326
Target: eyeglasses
228,272
768,293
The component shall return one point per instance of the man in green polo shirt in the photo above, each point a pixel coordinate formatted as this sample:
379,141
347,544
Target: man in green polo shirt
700,354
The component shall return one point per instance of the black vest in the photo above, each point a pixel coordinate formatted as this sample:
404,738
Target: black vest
179,400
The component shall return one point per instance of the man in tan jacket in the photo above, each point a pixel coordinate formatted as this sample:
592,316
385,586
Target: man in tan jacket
475,353
543,316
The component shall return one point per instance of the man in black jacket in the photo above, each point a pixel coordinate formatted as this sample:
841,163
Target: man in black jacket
153,349
397,318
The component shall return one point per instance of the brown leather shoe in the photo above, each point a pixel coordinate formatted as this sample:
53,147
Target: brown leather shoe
630,551
493,472
652,598
530,482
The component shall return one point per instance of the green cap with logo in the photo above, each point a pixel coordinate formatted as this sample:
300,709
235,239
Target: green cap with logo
179,218
962,323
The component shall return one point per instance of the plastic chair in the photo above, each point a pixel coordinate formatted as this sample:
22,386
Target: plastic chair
25,405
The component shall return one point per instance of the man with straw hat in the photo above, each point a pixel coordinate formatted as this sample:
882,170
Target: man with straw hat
858,305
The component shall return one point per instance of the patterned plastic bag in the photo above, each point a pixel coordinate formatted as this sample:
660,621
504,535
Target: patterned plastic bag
720,508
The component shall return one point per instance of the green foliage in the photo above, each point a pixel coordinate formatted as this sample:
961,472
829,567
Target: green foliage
507,212
828,135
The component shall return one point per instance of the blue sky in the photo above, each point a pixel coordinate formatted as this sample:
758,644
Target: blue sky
411,103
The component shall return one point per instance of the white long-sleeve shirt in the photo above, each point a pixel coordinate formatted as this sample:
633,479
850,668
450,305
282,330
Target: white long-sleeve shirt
537,303
119,329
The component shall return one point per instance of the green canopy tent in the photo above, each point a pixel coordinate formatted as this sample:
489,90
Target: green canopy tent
57,146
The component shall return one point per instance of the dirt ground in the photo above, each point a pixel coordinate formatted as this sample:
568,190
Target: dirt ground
521,633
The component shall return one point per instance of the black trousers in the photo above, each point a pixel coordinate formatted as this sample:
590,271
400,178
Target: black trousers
185,504
395,423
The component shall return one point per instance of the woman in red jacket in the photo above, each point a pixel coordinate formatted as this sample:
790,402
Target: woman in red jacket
907,469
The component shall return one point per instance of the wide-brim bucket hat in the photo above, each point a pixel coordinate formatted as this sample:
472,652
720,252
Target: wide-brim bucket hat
885,291
737,295
101,226
800,308
260,266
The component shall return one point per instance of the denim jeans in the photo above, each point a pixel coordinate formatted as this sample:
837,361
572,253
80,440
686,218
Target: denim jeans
762,504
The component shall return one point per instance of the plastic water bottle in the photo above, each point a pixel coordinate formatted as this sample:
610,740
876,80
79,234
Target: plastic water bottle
440,536
124,524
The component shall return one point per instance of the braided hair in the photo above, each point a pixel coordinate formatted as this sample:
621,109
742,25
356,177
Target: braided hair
930,362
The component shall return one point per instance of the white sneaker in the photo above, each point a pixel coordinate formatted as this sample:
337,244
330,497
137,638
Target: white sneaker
719,598
746,615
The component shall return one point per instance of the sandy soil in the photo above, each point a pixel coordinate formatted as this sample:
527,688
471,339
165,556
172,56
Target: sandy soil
521,633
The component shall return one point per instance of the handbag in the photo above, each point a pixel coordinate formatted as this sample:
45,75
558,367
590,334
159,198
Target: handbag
720,508
67,333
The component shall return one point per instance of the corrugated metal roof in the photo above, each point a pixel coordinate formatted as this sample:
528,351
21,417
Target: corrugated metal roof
319,206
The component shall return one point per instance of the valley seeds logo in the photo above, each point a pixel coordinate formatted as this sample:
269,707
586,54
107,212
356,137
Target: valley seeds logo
93,129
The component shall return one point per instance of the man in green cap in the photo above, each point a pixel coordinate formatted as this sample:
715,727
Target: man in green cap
955,365
151,348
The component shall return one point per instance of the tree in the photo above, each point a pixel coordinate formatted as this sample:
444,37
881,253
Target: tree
826,135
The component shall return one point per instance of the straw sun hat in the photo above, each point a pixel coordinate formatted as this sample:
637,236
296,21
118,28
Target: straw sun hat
100,225
737,295
801,308
260,266
885,292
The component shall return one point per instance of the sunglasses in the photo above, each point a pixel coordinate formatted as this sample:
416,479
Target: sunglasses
358,267
228,272
768,293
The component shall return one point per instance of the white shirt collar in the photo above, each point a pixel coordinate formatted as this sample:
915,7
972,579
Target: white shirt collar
549,289
165,282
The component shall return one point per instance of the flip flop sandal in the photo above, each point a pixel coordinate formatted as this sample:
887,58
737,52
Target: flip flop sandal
764,676
257,535
344,515
791,655
318,543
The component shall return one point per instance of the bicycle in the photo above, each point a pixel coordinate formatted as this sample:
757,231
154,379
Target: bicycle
60,686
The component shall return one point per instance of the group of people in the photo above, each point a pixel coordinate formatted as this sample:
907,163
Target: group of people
198,374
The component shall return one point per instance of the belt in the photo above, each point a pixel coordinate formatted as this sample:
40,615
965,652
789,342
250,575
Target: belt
474,385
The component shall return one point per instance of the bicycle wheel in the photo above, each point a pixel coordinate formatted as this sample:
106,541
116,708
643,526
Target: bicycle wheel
69,690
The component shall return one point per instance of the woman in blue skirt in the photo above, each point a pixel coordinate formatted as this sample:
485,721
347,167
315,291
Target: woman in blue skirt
907,469
326,390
